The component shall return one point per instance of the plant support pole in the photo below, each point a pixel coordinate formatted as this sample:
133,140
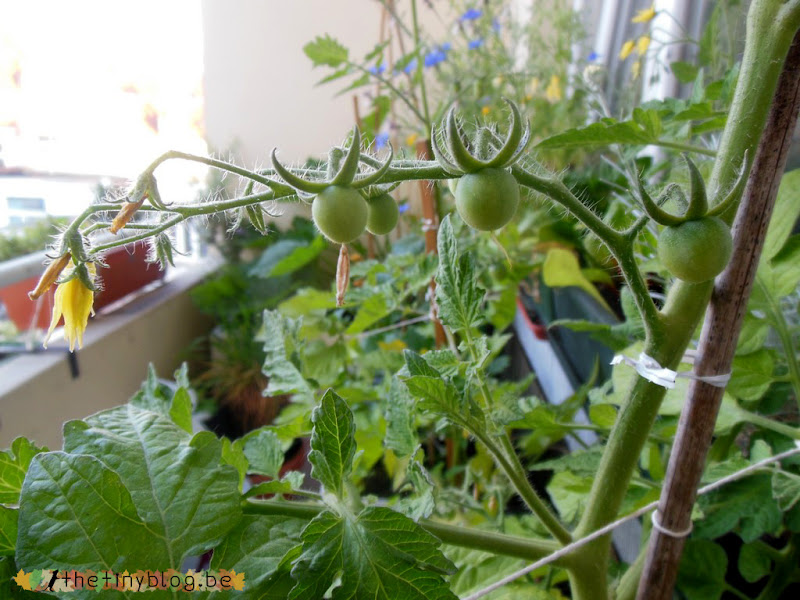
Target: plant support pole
719,336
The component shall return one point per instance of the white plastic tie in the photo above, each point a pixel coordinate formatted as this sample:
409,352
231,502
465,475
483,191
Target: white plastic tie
668,532
649,368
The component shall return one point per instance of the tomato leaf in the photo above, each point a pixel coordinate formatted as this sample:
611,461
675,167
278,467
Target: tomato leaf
378,555
287,256
401,430
457,292
333,443
753,564
264,452
280,337
325,50
13,466
702,570
8,530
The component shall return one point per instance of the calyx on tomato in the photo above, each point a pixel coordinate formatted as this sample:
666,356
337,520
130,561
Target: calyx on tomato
487,194
339,210
696,246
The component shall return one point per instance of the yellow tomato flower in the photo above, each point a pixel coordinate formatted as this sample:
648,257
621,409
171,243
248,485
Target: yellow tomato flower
553,91
411,139
627,49
74,301
645,15
642,44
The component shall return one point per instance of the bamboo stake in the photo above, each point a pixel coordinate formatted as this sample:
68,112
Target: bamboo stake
719,336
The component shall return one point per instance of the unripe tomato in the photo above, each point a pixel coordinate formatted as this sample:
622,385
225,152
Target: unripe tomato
383,214
697,250
487,199
340,214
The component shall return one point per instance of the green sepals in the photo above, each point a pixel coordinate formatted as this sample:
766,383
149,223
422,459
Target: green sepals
82,273
347,172
75,243
256,217
335,156
161,251
462,157
309,187
698,200
735,192
376,175
333,443
653,209
461,160
153,194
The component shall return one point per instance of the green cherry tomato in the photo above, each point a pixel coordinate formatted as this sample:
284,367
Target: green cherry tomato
487,199
340,214
697,250
383,214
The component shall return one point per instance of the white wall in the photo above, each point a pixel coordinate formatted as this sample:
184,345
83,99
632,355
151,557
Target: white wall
259,85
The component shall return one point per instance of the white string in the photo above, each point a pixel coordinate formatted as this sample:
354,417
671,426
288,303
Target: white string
649,368
655,520
611,526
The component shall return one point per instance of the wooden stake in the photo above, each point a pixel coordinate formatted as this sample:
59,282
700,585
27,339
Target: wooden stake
719,336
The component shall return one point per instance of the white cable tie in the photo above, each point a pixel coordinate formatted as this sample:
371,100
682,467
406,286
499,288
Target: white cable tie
649,368
429,225
661,529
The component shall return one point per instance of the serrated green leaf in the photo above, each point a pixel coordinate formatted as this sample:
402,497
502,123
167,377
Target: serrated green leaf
604,133
603,415
569,493
399,412
325,50
165,471
286,257
684,72
293,480
264,452
649,121
457,292
752,336
379,555
307,301
784,268
373,309
753,564
582,464
417,365
333,443
784,215
256,547
701,574
233,454
786,489
14,464
422,503
180,409
438,396
752,375
746,506
8,530
279,335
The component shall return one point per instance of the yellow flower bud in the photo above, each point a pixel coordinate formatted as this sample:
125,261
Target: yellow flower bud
627,49
50,275
124,215
73,301
553,91
642,44
645,15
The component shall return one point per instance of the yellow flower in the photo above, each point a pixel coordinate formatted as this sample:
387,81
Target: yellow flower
553,91
627,49
642,44
533,86
74,301
636,69
485,111
645,15
411,139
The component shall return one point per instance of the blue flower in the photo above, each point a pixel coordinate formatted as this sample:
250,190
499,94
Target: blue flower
410,66
446,47
475,44
381,140
403,207
496,25
377,70
471,15
435,57
593,56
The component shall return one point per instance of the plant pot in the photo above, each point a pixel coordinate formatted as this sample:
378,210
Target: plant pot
128,271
